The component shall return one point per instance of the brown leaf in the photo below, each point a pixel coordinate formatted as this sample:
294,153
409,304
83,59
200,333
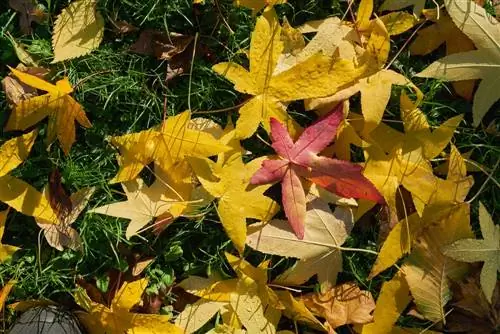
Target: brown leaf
140,265
15,90
472,313
161,45
28,13
60,200
122,27
341,305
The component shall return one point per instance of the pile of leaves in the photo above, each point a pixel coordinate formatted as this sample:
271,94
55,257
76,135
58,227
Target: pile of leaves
334,169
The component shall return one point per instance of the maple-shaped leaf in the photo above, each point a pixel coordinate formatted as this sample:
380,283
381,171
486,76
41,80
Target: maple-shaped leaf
168,194
375,89
428,271
444,31
317,76
61,109
318,251
342,304
301,160
117,318
486,250
6,251
59,233
418,5
446,204
229,183
394,297
247,297
14,192
396,22
483,63
165,144
78,30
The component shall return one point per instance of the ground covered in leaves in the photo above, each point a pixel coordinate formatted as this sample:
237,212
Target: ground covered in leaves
364,175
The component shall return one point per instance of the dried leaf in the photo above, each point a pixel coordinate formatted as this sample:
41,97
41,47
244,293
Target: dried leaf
28,13
341,305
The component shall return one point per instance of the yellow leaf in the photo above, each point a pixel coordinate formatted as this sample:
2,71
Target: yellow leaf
483,63
166,145
78,30
316,76
257,5
418,5
99,319
255,305
194,316
444,31
57,104
296,310
4,293
393,299
398,22
236,202
365,10
6,251
15,151
397,243
169,193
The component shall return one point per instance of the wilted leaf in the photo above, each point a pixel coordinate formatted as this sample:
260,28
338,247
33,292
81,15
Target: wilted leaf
28,12
78,30
341,305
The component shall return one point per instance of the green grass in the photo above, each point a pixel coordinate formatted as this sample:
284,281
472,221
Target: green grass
124,92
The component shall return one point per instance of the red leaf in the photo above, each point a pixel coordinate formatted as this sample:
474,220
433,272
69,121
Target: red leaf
300,159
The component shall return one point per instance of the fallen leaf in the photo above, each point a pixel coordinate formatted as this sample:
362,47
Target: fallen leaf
59,233
482,63
341,305
78,30
444,31
472,312
161,45
145,203
117,318
229,183
315,77
296,309
300,160
318,251
14,192
28,13
4,293
394,297
166,144
6,251
247,297
486,250
428,271
61,109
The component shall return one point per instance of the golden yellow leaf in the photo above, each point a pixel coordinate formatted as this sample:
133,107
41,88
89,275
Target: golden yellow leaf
78,30
166,144
236,200
296,310
4,293
316,76
393,299
257,5
61,109
100,319
246,297
6,251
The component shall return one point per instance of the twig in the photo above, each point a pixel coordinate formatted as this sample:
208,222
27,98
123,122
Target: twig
191,70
